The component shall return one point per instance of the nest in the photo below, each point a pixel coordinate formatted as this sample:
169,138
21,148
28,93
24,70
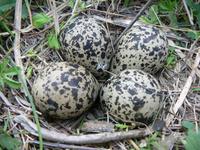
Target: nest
180,102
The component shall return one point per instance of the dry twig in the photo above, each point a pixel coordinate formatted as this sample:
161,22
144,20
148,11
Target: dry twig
82,139
188,13
55,16
74,147
134,20
16,46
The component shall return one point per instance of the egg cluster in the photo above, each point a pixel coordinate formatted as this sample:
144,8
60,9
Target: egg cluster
67,89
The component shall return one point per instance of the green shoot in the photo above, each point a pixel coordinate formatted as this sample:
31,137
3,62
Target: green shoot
40,19
192,141
171,58
7,142
53,41
121,126
196,89
7,73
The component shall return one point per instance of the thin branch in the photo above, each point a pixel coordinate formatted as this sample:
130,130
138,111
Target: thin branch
17,55
64,146
188,13
16,46
55,16
134,20
82,139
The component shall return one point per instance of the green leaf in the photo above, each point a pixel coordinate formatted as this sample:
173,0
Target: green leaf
193,35
71,3
195,89
195,8
82,5
151,18
1,83
53,41
40,19
7,142
192,141
12,83
12,71
168,6
29,72
126,3
121,126
173,20
171,57
6,5
24,11
4,26
3,65
188,124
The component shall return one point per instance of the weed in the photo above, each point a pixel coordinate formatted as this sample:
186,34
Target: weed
122,126
53,41
171,58
7,73
152,142
40,19
192,141
7,142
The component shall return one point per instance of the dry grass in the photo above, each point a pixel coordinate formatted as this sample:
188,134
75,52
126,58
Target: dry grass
180,102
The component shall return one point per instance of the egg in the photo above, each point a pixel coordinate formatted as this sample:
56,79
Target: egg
64,90
86,42
142,47
131,96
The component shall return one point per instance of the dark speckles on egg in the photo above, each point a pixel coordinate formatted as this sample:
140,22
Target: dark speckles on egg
136,49
64,77
126,96
132,91
62,91
74,82
52,104
65,95
88,44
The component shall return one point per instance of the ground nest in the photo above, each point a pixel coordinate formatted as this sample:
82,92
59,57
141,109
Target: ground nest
179,82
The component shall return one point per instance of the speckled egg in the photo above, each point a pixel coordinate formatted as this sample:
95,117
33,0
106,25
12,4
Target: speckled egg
142,47
64,90
133,95
86,42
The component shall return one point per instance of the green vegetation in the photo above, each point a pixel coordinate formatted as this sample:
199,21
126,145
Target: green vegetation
170,13
53,41
171,58
40,19
192,141
152,142
7,142
122,126
7,73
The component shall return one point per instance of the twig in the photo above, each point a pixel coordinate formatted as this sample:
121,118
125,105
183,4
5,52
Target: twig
179,103
29,11
55,16
82,139
16,46
7,103
74,147
188,13
17,54
134,20
72,14
134,145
